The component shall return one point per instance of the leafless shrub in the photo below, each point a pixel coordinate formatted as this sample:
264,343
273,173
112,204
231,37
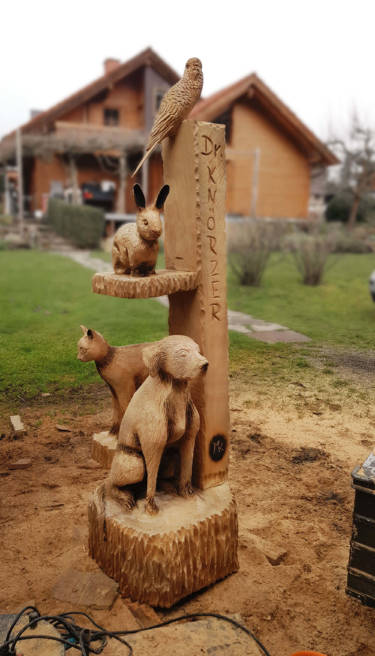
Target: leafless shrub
250,244
310,253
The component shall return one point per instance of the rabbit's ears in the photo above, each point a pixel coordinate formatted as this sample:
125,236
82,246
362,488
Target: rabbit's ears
162,197
140,200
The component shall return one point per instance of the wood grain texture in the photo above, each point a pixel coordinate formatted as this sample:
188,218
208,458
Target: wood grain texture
163,282
161,559
194,168
283,186
103,448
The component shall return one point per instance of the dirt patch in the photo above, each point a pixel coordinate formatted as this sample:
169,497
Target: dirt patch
306,454
290,472
358,365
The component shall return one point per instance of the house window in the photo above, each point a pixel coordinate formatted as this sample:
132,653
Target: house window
226,119
159,94
111,116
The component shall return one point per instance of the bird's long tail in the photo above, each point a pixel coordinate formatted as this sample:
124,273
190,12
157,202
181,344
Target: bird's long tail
145,156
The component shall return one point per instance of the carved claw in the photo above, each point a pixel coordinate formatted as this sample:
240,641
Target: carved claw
123,497
126,500
185,490
129,504
150,507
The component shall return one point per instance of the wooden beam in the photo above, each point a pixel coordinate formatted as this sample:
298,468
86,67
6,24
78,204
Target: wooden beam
194,168
20,178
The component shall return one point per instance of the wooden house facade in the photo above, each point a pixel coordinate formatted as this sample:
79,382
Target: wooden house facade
270,153
99,133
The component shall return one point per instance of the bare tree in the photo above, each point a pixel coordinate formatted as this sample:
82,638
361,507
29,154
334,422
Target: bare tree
357,152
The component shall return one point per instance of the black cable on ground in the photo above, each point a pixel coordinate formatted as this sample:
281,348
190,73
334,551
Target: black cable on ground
76,637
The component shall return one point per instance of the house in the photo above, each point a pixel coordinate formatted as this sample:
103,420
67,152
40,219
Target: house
271,155
98,134
95,135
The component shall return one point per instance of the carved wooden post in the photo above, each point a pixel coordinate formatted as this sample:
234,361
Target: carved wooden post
122,173
194,167
73,175
192,542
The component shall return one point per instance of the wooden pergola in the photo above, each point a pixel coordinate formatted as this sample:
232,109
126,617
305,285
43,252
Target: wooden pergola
72,140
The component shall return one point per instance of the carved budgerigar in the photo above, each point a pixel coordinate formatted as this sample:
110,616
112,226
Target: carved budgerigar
175,106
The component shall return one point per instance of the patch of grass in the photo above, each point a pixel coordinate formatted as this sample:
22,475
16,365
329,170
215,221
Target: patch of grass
339,383
44,298
101,255
302,364
340,311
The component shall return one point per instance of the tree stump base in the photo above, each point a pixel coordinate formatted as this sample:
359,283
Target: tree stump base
159,559
103,448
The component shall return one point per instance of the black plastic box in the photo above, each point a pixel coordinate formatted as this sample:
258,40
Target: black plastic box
361,567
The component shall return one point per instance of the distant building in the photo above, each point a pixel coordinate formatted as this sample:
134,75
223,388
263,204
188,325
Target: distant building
272,157
98,134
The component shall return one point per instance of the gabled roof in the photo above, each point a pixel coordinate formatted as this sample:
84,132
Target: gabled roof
252,87
145,58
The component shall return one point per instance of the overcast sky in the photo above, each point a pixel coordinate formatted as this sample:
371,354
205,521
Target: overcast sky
317,55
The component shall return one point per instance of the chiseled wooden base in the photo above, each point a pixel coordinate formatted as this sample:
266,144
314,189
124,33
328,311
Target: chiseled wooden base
159,559
103,448
161,283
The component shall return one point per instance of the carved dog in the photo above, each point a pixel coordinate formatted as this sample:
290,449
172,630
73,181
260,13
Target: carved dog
135,245
160,413
121,367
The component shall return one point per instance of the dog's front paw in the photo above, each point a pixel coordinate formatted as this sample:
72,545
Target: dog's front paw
185,490
150,507
129,503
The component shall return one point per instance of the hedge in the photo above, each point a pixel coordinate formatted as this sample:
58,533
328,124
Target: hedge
338,208
80,224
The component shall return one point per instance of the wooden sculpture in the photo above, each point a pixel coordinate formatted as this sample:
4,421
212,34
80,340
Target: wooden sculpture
191,542
160,414
175,106
121,367
135,245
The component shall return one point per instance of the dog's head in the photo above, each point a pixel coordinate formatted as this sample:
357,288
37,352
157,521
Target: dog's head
176,357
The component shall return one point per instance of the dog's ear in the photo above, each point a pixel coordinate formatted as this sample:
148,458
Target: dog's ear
153,357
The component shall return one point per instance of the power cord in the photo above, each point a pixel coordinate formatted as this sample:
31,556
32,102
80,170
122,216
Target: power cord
82,639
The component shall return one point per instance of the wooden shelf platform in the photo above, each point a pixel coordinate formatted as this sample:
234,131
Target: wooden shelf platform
162,282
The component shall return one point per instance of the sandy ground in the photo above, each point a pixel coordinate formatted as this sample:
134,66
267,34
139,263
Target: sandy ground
292,454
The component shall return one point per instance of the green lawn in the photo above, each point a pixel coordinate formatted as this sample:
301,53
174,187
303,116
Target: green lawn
340,311
44,298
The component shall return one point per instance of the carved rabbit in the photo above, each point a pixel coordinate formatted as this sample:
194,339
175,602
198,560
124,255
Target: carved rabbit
135,245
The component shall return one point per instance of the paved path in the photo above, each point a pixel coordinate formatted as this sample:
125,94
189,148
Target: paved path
237,321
